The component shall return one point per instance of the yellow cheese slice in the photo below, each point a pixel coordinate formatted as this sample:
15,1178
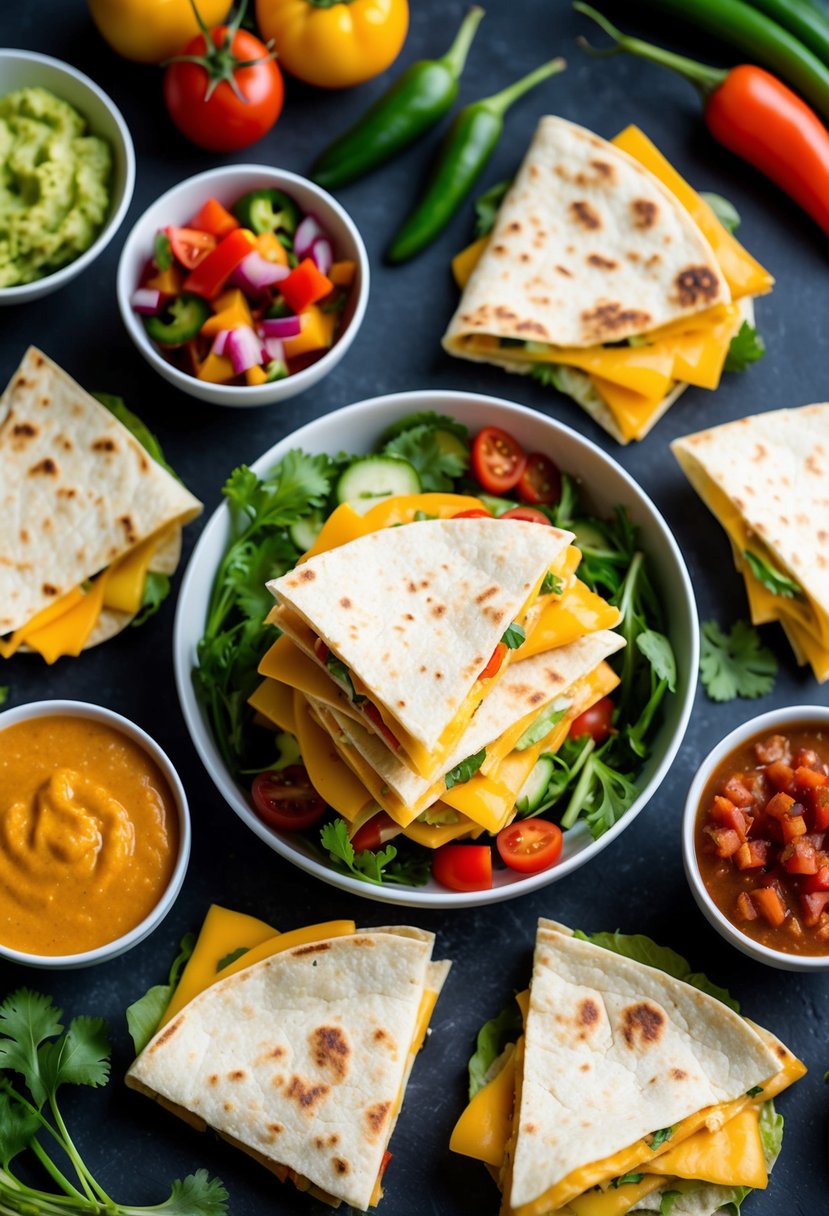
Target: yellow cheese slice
464,263
569,617
68,633
433,835
289,665
342,525
731,1156
127,576
275,702
485,1126
615,1201
330,776
43,618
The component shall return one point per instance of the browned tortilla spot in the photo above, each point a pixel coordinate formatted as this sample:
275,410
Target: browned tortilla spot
532,327
213,1079
345,602
505,314
237,1074
375,1117
678,1074
25,429
49,589
330,1050
583,214
644,213
306,1095
340,1165
104,445
608,317
563,270
24,535
314,948
515,226
643,1022
604,169
167,1034
307,575
588,1013
596,259
47,466
696,283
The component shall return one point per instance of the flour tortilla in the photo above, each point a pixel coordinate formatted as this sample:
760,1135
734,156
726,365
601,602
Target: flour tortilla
77,491
416,612
300,1058
656,1050
588,247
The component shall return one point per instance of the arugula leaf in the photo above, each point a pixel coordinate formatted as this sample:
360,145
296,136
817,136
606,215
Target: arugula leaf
514,637
162,251
667,1200
437,467
552,584
658,651
746,347
735,664
725,211
465,770
370,866
341,673
138,429
643,950
626,1178
658,1138
144,1015
437,422
493,1037
232,957
541,727
614,792
156,589
486,208
773,579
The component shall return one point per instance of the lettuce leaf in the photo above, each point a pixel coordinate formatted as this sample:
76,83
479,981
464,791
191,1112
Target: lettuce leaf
493,1037
642,950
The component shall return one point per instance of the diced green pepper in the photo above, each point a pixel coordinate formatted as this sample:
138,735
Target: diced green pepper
179,321
267,211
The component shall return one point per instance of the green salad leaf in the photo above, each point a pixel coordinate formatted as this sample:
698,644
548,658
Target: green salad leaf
773,579
542,726
551,584
667,1200
465,770
486,208
745,348
4,693
493,1037
643,950
437,465
725,211
156,589
144,1015
341,673
427,418
514,637
372,866
138,429
735,664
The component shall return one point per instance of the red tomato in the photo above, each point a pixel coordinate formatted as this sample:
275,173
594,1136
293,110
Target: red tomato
189,245
596,721
530,845
498,460
375,832
373,714
540,481
473,513
494,664
287,800
218,104
528,514
463,867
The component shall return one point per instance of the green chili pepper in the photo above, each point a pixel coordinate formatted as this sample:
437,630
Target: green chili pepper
414,103
468,145
268,211
179,320
805,20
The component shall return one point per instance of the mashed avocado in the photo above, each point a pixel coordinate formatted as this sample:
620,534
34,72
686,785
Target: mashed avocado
54,185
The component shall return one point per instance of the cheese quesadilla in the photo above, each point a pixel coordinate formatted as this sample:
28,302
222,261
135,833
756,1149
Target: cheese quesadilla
766,479
624,1081
80,499
302,1057
607,275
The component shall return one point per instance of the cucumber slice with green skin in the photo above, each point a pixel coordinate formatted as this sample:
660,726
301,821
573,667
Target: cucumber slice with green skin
374,478
588,536
532,792
305,531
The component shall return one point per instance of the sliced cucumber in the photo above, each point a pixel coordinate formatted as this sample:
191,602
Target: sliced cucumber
588,535
374,478
305,531
532,792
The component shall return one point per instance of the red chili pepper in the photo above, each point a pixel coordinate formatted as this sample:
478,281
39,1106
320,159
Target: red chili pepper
754,115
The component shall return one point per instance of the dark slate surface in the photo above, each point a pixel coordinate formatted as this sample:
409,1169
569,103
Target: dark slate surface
637,885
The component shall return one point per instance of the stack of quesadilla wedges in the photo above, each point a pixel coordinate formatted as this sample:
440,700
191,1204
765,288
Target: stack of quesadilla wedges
383,670
607,276
299,1050
766,479
625,1086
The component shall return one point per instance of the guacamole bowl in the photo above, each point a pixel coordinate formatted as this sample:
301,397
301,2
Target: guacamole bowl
27,69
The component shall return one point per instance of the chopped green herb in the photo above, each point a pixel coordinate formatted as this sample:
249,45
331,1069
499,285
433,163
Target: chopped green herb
465,770
514,637
437,465
625,1179
659,1138
429,418
341,673
773,580
746,347
375,867
232,957
754,1091
162,251
736,664
552,584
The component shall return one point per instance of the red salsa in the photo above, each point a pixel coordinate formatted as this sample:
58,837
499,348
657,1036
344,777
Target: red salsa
762,839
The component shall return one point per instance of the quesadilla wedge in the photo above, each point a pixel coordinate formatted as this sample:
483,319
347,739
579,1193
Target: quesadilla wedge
299,1050
766,480
606,276
626,1082
88,516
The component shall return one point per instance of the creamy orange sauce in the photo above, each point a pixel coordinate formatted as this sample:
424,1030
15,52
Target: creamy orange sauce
88,835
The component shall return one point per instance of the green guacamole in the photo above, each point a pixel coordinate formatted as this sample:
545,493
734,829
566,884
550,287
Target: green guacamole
54,185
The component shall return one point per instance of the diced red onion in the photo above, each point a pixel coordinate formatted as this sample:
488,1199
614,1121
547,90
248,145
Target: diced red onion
256,273
273,350
322,254
243,348
307,232
147,301
280,327
220,342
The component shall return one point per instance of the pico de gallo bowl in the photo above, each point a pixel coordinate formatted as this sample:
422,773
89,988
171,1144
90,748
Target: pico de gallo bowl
243,285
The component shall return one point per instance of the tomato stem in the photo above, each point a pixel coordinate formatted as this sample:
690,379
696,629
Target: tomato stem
219,62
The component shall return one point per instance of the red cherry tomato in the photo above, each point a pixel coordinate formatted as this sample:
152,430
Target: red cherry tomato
224,120
530,845
463,867
375,832
287,800
528,514
498,460
473,513
189,245
540,481
494,664
596,721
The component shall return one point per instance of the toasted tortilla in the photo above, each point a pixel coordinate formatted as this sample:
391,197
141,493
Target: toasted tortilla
614,1051
77,491
300,1059
415,612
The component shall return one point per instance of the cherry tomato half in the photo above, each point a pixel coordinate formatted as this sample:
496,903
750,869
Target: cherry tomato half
498,460
463,867
540,481
596,721
494,664
528,514
189,245
375,832
530,845
287,800
473,513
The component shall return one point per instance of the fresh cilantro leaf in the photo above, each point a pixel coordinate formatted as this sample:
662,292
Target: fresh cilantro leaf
613,794
514,637
138,429
486,208
658,651
773,579
658,1138
162,251
341,673
465,770
667,1200
18,1127
144,1015
754,1091
541,727
735,664
437,422
745,347
196,1195
27,1019
4,693
626,1178
643,950
552,584
297,485
156,589
493,1037
370,866
232,957
437,467
725,211
79,1057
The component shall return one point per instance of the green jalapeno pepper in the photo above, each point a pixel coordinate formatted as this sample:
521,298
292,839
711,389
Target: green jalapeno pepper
179,320
267,211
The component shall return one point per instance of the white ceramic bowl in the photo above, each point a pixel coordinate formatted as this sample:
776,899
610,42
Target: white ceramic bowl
20,69
357,429
97,713
776,720
227,184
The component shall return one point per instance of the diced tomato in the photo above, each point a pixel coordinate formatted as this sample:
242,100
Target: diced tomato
799,858
727,815
752,855
190,246
793,826
819,881
805,757
383,1164
769,904
745,908
540,481
304,286
530,845
737,792
215,218
766,827
776,747
494,665
814,906
597,721
463,867
781,776
780,806
374,716
375,832
473,513
726,841
529,515
498,460
212,272
808,779
820,809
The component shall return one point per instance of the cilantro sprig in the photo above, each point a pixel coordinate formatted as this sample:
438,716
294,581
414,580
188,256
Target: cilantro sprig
746,347
35,1048
373,866
735,664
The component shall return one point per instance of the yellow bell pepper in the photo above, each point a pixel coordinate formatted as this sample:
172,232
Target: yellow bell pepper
169,282
256,375
334,45
317,332
342,273
231,311
271,249
216,369
151,30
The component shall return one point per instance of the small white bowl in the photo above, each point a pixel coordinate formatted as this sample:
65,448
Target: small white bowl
178,206
23,69
770,723
97,713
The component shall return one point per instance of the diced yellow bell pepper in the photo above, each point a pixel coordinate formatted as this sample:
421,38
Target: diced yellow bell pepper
231,311
168,282
216,369
317,332
271,249
342,273
256,375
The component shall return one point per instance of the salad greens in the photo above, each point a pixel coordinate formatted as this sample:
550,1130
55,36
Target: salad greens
493,1037
144,1014
773,580
465,770
369,865
35,1047
735,664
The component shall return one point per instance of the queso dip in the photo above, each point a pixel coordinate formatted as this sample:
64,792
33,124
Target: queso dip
88,835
